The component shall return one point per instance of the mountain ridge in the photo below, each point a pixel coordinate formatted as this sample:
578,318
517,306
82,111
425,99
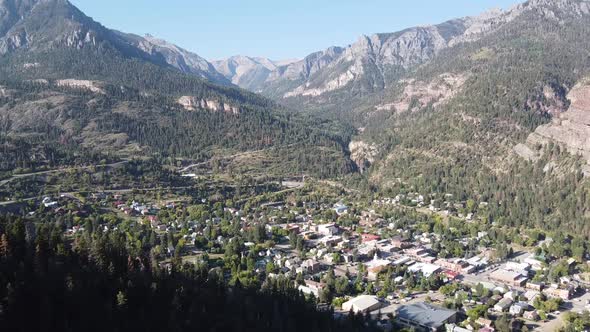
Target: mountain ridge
40,25
374,62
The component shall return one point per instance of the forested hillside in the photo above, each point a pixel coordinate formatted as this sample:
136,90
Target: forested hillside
127,123
77,92
517,79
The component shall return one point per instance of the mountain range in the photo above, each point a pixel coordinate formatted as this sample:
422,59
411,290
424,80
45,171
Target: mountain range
452,108
70,86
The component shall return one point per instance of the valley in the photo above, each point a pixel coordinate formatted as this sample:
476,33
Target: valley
433,178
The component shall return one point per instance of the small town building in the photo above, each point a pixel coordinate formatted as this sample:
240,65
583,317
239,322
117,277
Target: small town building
362,304
564,294
425,317
531,315
503,305
507,277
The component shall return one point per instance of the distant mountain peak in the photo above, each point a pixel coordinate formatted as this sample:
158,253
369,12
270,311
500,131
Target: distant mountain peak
248,72
364,65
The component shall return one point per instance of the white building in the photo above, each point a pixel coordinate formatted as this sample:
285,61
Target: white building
328,229
426,269
362,304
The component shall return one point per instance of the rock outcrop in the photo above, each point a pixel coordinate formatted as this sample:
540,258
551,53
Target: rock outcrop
570,129
362,154
190,103
92,86
418,94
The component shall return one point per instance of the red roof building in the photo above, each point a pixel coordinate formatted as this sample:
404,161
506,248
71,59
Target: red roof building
370,237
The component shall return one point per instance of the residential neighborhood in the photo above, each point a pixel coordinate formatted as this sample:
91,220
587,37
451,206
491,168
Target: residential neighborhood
387,260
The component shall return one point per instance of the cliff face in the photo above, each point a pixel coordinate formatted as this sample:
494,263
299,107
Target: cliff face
373,63
193,104
571,129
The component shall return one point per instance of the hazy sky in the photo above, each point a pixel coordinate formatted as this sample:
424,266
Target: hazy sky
277,29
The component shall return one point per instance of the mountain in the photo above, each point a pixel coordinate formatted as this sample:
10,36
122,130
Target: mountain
100,92
451,109
177,57
376,63
40,25
460,123
248,72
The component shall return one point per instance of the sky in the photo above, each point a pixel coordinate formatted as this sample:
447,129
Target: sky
276,29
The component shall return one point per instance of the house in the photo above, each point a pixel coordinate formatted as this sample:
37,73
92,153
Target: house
455,328
456,265
531,315
312,287
293,229
424,317
503,305
451,275
416,252
536,286
536,265
331,240
483,322
519,308
309,266
328,229
370,237
340,209
531,295
513,295
487,329
403,260
517,267
398,242
564,294
362,304
375,266
292,263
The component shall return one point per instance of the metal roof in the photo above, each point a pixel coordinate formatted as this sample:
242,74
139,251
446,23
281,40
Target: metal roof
425,314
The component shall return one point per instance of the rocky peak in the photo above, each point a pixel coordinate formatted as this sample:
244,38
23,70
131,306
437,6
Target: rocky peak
366,61
308,66
177,57
247,72
48,24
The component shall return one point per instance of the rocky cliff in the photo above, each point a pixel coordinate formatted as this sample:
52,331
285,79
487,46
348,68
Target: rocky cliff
570,129
193,104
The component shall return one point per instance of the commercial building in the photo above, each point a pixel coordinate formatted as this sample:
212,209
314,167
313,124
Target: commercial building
510,278
362,304
425,317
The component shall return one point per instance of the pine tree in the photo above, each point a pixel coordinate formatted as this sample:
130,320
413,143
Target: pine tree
4,246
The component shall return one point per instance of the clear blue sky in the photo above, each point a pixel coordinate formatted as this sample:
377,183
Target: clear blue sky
277,29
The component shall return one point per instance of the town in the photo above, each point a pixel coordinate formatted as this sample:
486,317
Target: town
414,261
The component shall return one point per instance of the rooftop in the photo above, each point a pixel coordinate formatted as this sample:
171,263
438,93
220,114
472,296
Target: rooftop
363,302
425,314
